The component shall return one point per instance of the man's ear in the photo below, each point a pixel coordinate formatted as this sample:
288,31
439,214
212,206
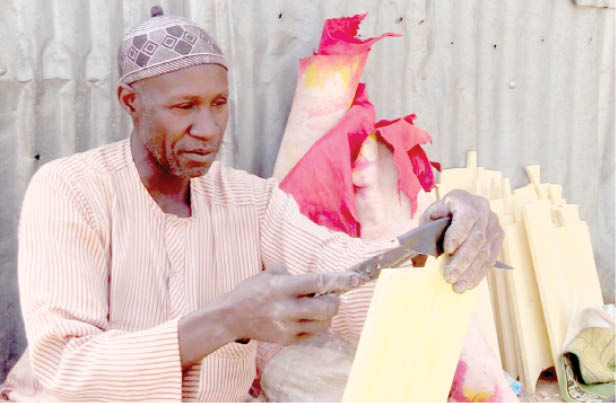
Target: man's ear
127,96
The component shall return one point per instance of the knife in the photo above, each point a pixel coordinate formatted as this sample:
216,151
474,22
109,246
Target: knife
415,245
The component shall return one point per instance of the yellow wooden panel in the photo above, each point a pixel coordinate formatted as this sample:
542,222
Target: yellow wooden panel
489,183
534,175
564,268
412,337
522,196
471,159
499,287
497,206
442,190
555,194
507,196
527,313
457,178
506,330
567,214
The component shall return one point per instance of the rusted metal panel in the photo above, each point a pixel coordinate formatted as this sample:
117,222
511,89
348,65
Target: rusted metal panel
520,81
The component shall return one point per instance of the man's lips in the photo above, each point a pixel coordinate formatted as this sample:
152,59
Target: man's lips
199,151
199,154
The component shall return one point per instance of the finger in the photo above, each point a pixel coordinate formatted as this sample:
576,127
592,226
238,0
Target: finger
276,269
464,219
485,260
475,272
310,283
311,327
435,211
318,308
464,256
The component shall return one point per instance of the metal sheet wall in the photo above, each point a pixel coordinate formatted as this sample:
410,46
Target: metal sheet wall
521,81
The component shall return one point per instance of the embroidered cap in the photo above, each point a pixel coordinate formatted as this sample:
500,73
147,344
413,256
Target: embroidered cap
163,44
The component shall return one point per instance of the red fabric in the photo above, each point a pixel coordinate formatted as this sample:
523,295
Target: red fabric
339,37
321,181
414,167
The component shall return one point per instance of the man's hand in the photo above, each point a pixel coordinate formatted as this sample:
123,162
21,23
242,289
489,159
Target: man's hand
274,306
271,306
474,237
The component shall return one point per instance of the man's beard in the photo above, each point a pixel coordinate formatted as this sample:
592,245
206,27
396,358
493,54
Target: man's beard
159,155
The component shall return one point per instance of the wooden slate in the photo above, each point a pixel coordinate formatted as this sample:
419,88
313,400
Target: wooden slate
412,338
525,302
564,268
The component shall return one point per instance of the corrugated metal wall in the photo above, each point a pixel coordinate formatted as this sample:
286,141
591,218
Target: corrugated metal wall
521,81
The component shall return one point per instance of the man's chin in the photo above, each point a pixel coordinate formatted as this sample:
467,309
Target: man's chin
195,172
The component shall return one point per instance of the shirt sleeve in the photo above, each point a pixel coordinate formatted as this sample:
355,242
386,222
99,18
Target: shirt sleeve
291,239
63,283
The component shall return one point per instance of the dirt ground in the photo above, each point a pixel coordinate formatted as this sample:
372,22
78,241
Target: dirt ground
546,389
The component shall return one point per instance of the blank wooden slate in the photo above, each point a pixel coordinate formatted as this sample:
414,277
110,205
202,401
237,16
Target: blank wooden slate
564,268
412,337
506,330
555,193
459,178
488,183
527,313
534,175
521,197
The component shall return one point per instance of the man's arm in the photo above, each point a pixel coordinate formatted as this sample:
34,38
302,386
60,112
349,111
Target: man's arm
63,278
63,284
272,306
290,238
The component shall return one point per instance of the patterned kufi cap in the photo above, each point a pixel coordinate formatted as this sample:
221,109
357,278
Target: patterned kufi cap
163,44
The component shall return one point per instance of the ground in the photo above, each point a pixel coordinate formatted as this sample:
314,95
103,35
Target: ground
546,390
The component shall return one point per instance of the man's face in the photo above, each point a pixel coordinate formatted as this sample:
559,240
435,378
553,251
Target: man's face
181,117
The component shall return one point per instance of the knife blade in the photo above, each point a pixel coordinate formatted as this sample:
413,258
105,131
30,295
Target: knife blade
426,239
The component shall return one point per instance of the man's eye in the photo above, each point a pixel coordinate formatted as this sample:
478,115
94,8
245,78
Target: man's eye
219,102
185,106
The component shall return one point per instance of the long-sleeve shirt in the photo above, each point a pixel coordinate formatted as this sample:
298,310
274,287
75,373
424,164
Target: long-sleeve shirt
105,275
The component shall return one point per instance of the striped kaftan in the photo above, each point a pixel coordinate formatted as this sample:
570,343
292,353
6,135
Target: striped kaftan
105,275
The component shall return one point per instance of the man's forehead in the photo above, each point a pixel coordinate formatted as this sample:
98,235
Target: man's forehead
196,81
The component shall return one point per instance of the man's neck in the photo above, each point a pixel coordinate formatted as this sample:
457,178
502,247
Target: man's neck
171,193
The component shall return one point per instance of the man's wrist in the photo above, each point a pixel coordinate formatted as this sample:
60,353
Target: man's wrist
203,331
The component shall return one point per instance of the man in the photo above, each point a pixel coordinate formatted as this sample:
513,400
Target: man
141,263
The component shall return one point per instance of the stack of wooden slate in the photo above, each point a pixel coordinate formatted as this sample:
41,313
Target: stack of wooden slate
555,275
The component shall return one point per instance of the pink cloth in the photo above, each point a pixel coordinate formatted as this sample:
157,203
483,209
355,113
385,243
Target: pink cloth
414,167
327,168
326,86
339,37
327,165
479,377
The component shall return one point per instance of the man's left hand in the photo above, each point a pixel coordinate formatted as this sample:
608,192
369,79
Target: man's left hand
474,237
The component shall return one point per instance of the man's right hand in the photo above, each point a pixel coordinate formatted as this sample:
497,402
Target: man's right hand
271,306
275,306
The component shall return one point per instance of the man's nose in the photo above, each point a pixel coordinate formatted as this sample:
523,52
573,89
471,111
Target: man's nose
205,125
